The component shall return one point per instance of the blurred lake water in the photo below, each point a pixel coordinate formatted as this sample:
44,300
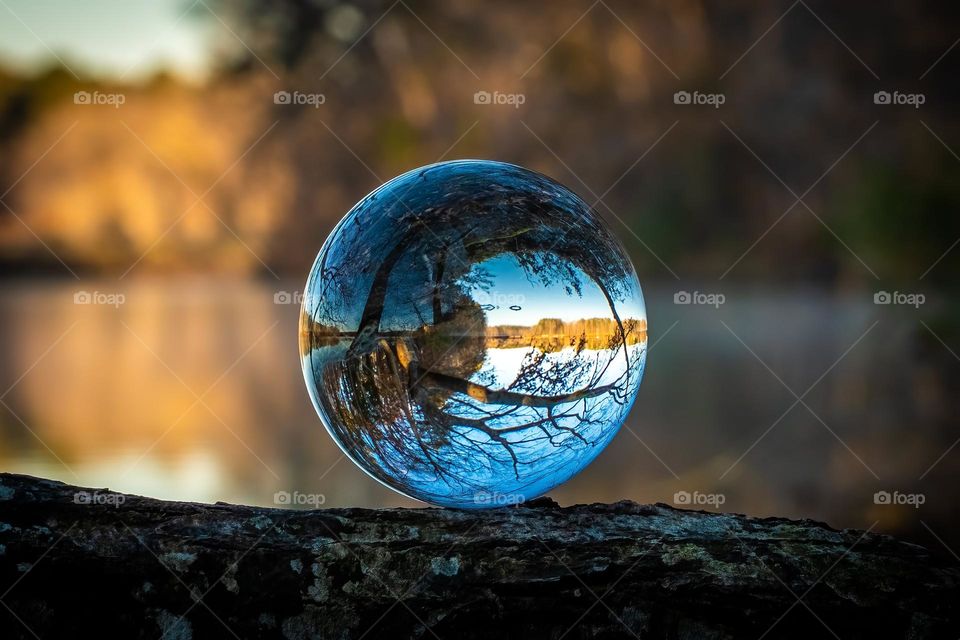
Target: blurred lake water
190,389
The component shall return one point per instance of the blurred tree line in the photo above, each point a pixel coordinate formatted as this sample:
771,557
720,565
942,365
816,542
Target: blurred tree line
220,177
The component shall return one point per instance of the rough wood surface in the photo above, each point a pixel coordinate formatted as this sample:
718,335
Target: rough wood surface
146,568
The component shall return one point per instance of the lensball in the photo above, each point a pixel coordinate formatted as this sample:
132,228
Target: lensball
472,334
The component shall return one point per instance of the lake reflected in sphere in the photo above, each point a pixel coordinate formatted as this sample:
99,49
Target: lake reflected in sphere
472,334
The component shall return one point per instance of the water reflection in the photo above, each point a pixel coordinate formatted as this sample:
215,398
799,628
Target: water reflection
100,401
472,334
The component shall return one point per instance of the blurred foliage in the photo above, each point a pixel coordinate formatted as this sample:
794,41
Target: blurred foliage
903,222
121,188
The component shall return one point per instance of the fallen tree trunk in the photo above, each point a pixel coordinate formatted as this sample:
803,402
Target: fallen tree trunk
78,563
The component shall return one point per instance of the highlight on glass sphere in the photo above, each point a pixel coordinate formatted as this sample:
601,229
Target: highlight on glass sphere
472,334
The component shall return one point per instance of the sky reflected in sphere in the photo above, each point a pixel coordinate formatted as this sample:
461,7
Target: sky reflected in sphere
472,334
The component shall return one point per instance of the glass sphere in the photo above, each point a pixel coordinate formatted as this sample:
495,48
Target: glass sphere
472,334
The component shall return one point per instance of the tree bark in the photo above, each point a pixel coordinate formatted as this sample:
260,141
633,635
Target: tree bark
132,567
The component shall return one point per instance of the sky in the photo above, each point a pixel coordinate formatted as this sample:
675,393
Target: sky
112,39
517,301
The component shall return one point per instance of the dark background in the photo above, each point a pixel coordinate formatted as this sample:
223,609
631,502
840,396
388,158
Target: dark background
200,199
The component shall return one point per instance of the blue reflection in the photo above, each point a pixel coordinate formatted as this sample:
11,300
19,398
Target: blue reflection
472,334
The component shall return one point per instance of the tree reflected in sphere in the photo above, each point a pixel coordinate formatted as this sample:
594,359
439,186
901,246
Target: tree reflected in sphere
472,334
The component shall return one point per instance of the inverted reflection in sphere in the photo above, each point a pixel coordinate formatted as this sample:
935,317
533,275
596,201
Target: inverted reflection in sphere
472,334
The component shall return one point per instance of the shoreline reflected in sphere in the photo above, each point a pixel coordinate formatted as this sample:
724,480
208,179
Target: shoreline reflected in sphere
472,334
